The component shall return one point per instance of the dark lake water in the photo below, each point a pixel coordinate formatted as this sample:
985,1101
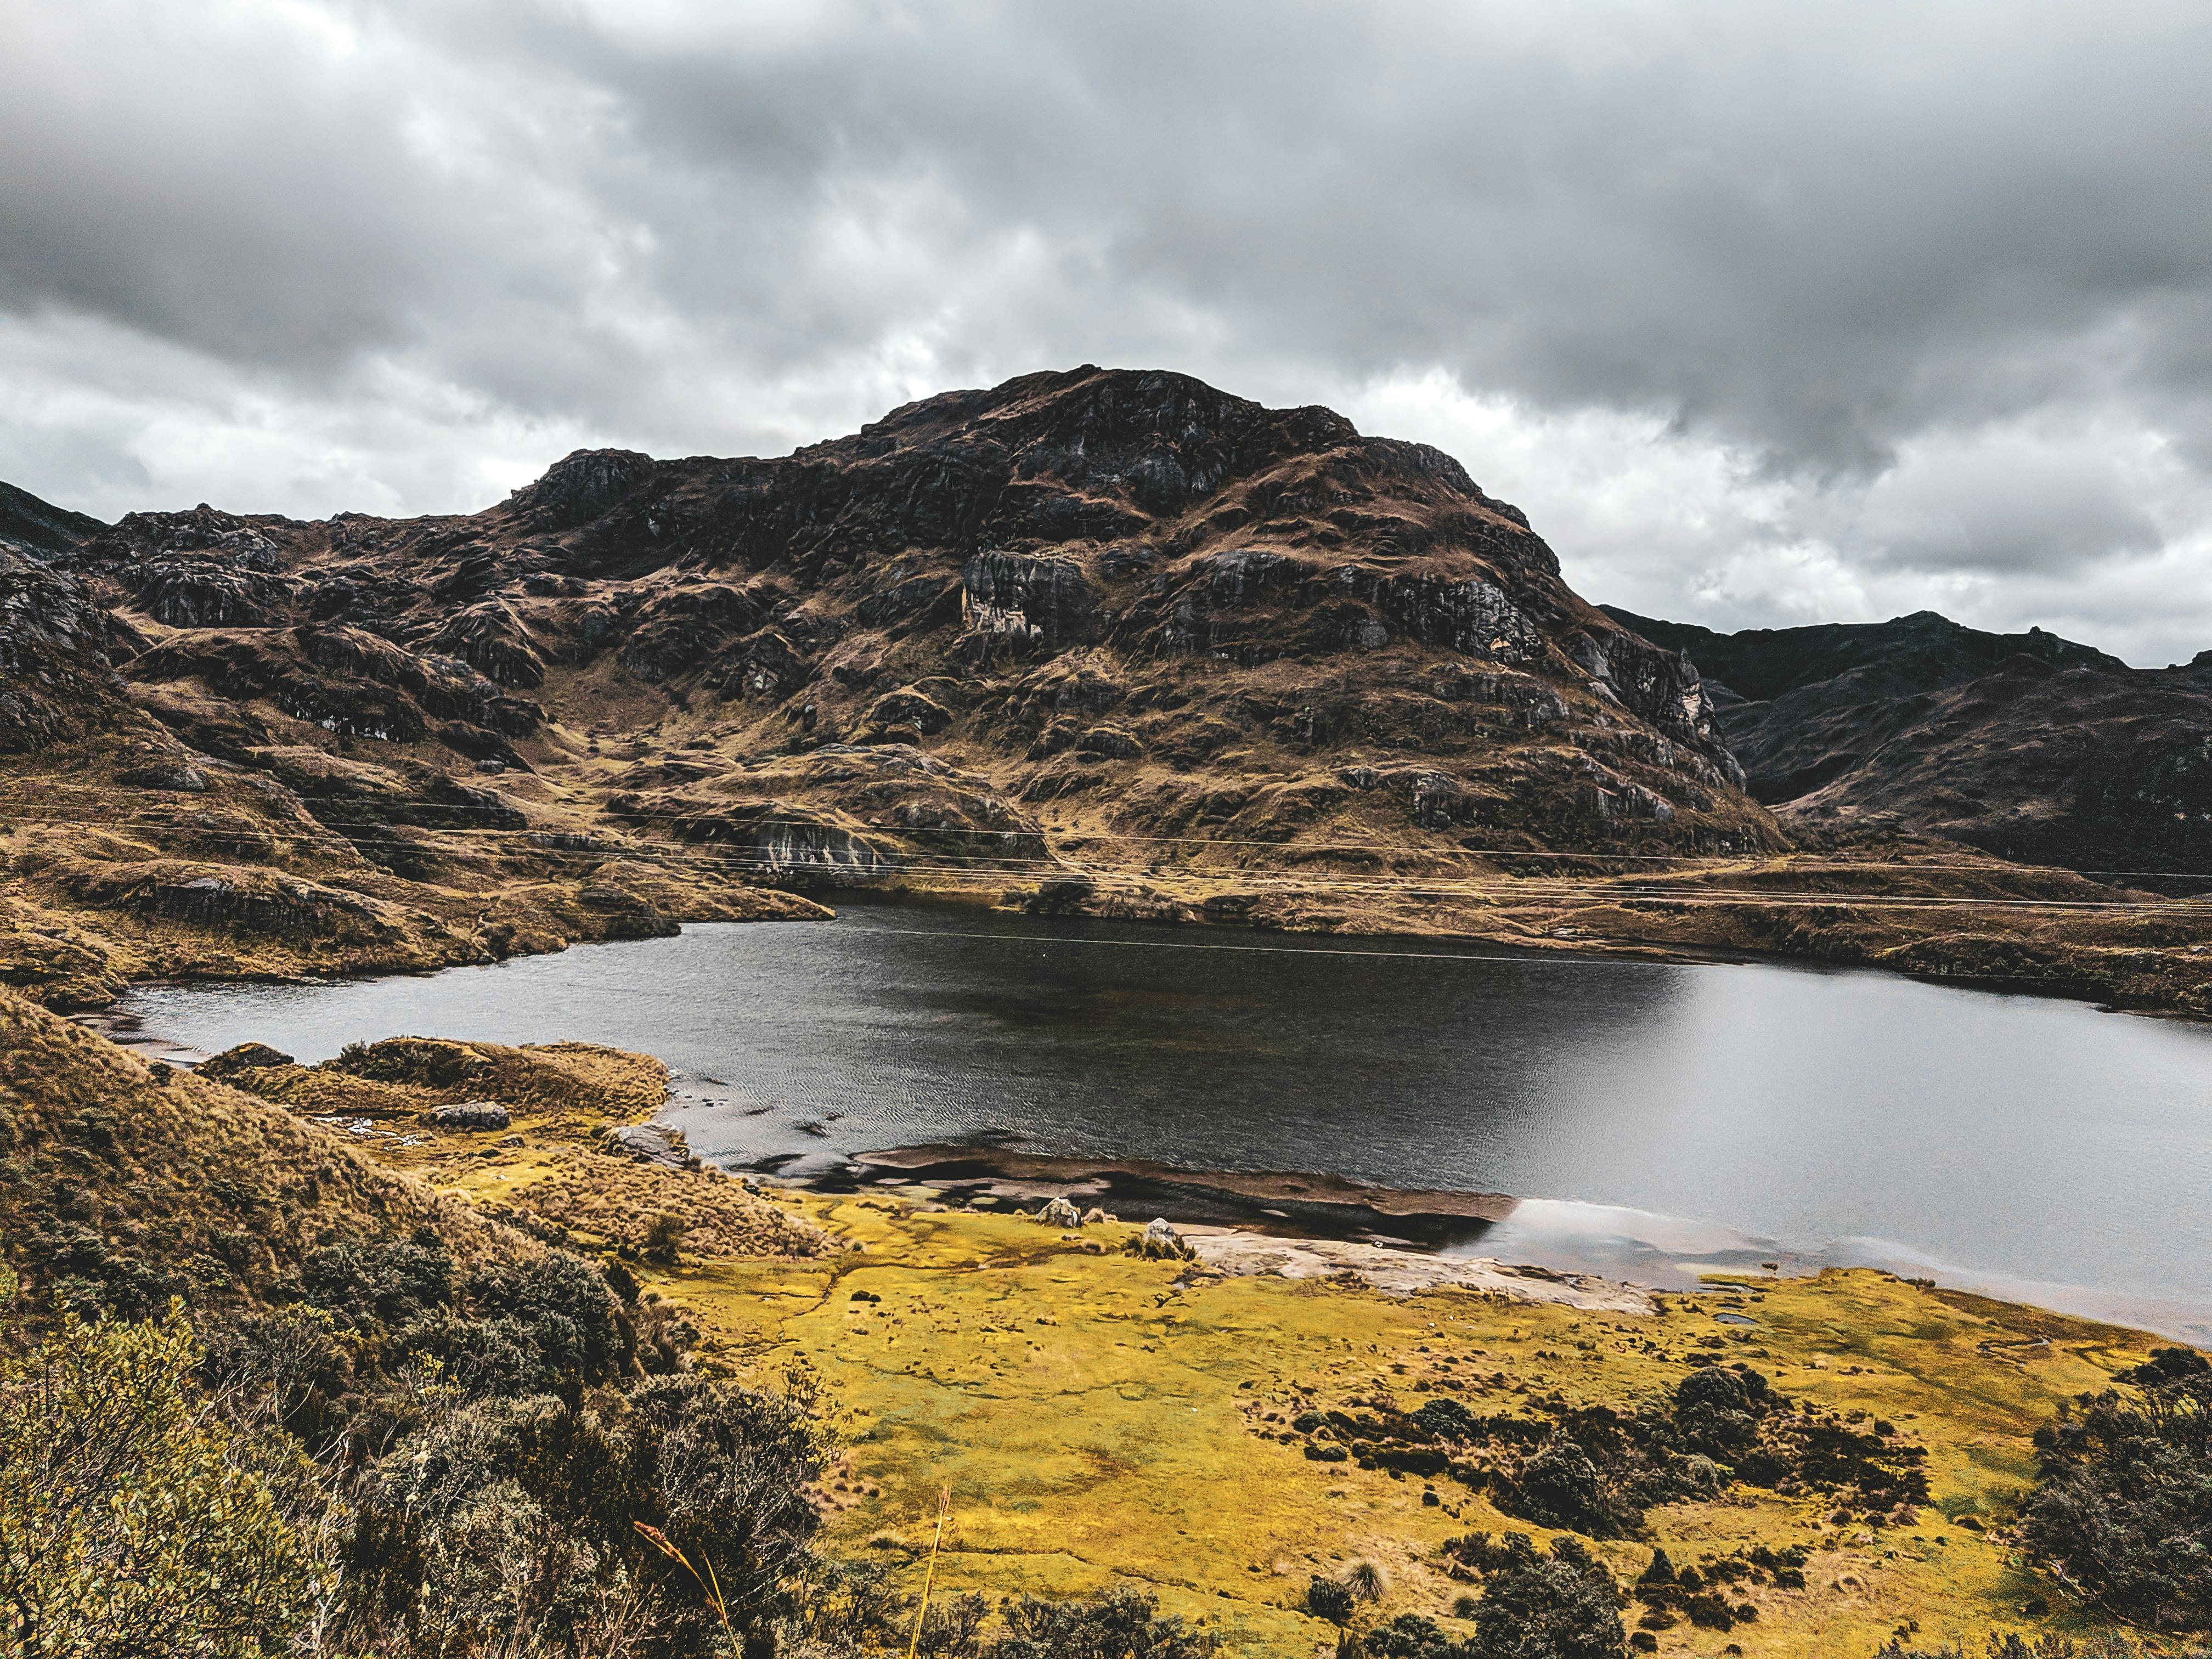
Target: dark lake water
1661,1117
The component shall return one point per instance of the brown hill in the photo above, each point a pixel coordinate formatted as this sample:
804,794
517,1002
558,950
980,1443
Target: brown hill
2029,745
1099,640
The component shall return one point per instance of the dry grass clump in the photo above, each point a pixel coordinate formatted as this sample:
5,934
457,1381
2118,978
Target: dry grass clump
552,1077
321,1092
628,1205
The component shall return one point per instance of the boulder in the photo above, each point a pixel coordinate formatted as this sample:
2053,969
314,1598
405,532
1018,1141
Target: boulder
178,779
1059,1212
1160,1242
468,1114
648,1143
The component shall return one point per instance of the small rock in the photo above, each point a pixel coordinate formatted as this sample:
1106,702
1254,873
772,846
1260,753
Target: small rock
468,1114
649,1143
1059,1212
1162,1243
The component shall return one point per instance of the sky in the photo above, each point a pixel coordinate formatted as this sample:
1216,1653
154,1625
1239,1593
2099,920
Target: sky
1765,314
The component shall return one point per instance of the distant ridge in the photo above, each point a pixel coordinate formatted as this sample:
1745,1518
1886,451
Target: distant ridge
40,528
2027,744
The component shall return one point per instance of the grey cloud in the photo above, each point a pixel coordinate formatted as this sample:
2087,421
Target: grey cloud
1818,237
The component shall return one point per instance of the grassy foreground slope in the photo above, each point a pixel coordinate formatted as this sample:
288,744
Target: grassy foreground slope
1097,1422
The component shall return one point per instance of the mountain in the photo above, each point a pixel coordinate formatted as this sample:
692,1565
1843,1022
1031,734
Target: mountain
2027,744
1127,595
40,529
1104,642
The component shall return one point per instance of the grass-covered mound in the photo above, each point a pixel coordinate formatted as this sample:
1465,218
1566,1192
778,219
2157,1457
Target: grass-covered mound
553,1172
124,1184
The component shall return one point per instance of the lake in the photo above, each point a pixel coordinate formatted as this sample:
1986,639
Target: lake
1659,1118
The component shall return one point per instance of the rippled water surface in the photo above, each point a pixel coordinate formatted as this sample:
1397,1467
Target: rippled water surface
2022,1143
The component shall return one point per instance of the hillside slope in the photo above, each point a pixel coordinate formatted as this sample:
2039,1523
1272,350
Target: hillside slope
121,1187
2029,745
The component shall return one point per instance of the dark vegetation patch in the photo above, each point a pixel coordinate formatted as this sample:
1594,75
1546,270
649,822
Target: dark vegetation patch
1594,1470
1560,1605
2123,1503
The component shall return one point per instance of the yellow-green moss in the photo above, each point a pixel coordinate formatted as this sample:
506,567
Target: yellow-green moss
1098,1425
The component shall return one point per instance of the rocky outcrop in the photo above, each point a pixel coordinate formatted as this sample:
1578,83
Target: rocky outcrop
650,1143
477,1115
350,682
1042,601
40,529
584,485
494,642
56,682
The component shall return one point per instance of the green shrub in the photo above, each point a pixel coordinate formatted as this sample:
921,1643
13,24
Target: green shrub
1121,1625
1326,1599
134,1520
515,1522
1560,1606
2123,1497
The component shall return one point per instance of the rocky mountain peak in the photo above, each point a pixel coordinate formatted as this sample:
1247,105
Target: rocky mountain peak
1126,592
40,529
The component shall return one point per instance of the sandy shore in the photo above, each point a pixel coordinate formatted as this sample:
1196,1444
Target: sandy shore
1402,1272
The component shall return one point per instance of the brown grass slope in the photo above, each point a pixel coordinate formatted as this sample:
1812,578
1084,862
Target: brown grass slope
121,1187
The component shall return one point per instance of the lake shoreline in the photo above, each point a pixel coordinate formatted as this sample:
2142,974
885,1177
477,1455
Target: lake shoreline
1570,945
1200,1077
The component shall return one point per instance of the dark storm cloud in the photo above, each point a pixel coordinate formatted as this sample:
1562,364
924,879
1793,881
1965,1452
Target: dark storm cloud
1847,246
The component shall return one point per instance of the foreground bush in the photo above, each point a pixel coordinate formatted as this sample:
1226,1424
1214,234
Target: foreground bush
2123,1505
2013,1646
1563,1605
133,1519
1120,1625
513,1525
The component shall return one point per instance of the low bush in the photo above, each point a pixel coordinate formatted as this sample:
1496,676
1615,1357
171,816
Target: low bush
134,1519
1560,1605
2122,1503
1121,1625
1326,1599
